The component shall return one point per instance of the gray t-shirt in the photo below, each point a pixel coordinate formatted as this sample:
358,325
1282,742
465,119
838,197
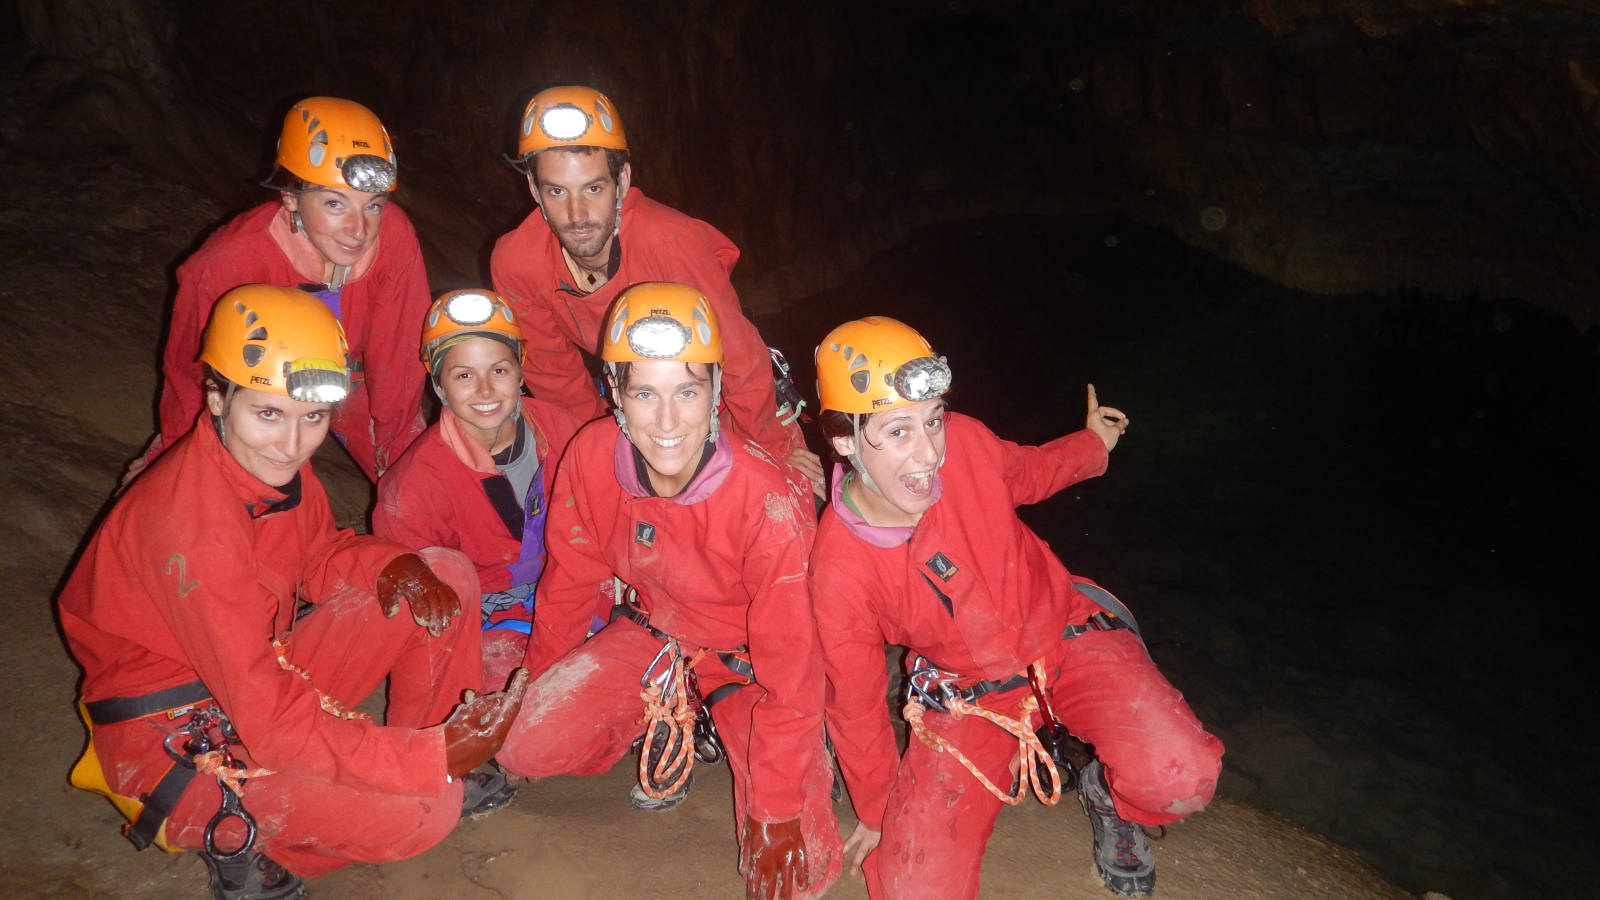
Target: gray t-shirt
519,462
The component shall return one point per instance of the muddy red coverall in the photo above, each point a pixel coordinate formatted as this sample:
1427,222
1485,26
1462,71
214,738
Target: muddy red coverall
658,244
444,493
381,312
719,566
191,577
1009,600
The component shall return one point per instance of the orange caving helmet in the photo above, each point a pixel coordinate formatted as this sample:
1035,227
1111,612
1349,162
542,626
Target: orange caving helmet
336,143
278,340
877,363
464,315
662,320
570,116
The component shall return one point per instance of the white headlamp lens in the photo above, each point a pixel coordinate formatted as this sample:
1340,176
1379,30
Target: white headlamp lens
564,122
658,337
316,381
372,174
469,309
921,379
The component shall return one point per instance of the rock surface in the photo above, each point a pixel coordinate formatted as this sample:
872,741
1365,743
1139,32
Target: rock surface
1331,145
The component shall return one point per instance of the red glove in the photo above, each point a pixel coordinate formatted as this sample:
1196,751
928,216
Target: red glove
774,860
432,601
474,732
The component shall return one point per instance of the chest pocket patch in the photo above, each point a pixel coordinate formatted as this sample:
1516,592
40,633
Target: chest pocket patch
942,567
644,534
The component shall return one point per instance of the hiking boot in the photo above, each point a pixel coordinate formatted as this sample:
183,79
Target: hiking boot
1121,851
255,877
640,800
486,791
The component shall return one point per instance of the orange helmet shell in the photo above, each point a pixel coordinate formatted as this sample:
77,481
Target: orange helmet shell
857,365
325,138
278,340
661,320
460,315
569,116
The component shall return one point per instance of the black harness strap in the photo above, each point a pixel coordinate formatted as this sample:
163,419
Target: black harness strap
159,803
123,709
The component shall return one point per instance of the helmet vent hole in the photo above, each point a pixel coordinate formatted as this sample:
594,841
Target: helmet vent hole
250,319
859,361
259,334
860,381
253,354
239,307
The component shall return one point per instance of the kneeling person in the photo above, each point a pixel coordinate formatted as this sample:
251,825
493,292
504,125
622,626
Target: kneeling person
713,540
222,621
922,547
478,480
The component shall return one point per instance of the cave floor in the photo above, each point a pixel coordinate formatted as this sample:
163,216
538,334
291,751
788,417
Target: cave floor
87,249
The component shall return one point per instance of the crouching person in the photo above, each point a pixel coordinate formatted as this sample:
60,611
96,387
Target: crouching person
227,630
713,539
922,547
478,480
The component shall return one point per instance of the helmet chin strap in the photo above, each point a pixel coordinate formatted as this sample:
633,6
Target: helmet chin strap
855,458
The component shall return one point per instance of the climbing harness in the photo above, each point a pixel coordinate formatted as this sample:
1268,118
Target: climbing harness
672,698
930,687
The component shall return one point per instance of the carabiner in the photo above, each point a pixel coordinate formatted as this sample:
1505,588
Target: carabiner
232,808
195,742
670,651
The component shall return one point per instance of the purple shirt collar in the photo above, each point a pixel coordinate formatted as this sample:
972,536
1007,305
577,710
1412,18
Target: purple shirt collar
704,485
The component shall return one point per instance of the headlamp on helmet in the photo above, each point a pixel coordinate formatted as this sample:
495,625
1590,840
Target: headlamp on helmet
658,337
469,308
921,379
372,174
564,122
312,380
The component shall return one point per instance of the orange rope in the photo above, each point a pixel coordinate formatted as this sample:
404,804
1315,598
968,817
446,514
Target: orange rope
214,764
328,704
1031,755
679,721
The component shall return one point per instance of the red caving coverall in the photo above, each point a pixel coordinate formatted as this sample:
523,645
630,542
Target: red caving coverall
447,492
1010,600
381,308
658,244
719,566
192,576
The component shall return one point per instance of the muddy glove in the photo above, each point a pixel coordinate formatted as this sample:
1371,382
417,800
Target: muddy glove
774,860
474,732
432,601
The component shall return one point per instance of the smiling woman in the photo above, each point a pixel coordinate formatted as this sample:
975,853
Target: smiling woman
333,232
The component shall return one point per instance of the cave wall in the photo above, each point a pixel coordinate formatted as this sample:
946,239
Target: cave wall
1332,146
